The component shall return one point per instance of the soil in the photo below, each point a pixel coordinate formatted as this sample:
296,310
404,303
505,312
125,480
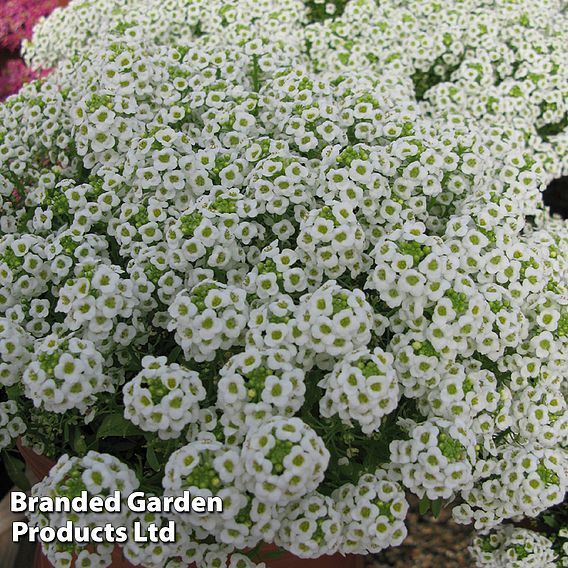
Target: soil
431,543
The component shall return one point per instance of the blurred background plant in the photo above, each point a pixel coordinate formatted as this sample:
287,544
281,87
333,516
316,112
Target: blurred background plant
17,18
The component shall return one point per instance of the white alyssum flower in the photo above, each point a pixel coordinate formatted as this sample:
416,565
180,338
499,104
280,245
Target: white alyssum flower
98,474
66,373
157,554
517,482
283,460
472,395
252,522
209,317
11,425
256,385
207,468
437,460
191,172
509,546
163,398
333,320
332,240
372,513
15,351
311,527
97,301
361,388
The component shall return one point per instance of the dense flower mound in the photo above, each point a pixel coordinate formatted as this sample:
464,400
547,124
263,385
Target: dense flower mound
500,61
70,32
236,266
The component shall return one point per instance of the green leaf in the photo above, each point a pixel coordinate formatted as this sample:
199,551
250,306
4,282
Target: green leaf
115,425
437,507
253,553
273,554
424,505
16,470
174,354
79,445
152,459
14,391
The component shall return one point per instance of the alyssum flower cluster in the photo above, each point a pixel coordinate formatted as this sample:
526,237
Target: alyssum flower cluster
232,266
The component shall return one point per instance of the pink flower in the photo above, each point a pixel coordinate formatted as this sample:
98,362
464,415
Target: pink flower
14,74
17,18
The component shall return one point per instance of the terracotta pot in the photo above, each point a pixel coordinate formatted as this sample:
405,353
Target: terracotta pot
40,560
38,466
286,560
